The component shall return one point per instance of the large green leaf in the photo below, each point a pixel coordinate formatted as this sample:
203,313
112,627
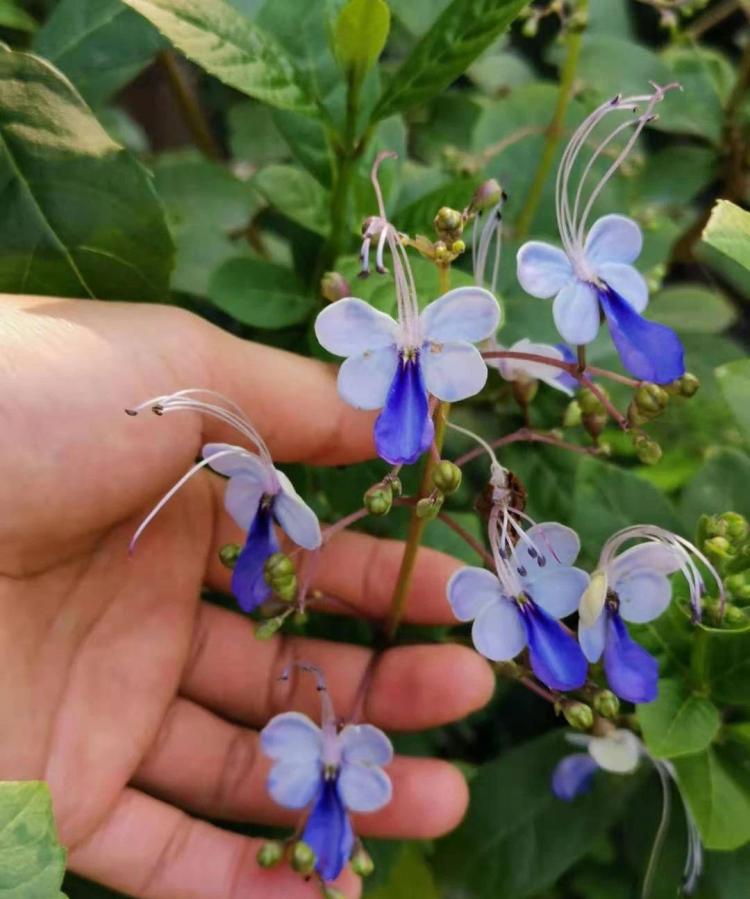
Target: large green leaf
679,722
296,194
693,308
11,16
728,231
360,33
409,878
455,40
229,46
719,486
100,45
32,862
517,838
80,216
734,381
728,667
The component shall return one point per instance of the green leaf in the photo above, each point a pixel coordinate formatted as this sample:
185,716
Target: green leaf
11,16
260,294
80,216
734,381
101,45
692,308
728,231
719,486
296,194
457,37
716,786
32,862
360,34
229,46
517,838
409,878
679,722
728,666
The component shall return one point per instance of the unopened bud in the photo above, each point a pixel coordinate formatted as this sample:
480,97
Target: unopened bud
270,853
734,617
572,415
524,390
229,553
334,286
332,893
362,863
739,585
651,399
718,549
488,194
300,618
606,704
449,224
285,587
378,499
578,715
458,247
429,506
446,476
594,422
396,485
589,402
689,384
647,450
266,629
735,526
303,858
530,28
441,251
277,565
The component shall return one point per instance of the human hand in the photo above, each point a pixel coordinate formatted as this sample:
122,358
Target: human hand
135,700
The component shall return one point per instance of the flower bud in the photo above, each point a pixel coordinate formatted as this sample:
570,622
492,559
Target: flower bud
285,587
334,286
362,863
228,554
589,402
266,629
277,565
270,853
578,715
488,194
650,400
446,476
689,384
647,450
303,858
449,224
300,618
378,499
572,415
606,704
594,422
331,893
441,252
530,28
395,483
734,617
429,506
718,549
458,247
734,526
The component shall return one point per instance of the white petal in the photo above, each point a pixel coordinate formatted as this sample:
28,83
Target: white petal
576,312
554,543
543,270
453,371
558,590
512,368
297,519
498,632
364,379
294,784
241,499
364,789
613,238
643,595
239,462
627,281
351,326
619,752
292,737
651,555
465,313
470,590
592,639
365,744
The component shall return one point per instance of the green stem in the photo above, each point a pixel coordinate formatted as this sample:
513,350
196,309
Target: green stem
699,659
573,42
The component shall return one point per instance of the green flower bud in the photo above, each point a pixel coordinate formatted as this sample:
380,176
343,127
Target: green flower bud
334,286
530,28
647,450
689,384
362,863
228,554
590,403
303,858
578,715
524,390
429,506
300,618
488,194
277,565
594,423
510,670
718,549
270,853
395,483
379,499
449,222
651,399
572,416
266,629
446,476
734,617
734,526
331,893
606,704
458,247
285,587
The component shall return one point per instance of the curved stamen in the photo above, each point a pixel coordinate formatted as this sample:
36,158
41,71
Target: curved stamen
328,717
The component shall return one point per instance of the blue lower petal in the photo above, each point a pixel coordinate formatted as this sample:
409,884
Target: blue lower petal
632,673
556,658
328,832
248,584
404,429
648,350
573,775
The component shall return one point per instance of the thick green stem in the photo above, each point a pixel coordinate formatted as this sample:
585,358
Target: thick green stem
556,127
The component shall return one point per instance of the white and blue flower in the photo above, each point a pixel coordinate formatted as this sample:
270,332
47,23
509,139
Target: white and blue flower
527,370
593,277
330,771
619,752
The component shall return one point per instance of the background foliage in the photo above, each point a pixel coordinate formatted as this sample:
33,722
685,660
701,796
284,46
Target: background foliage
230,181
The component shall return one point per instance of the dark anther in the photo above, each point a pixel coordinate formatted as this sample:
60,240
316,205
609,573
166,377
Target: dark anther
381,269
157,410
364,273
542,561
504,197
532,552
132,412
522,571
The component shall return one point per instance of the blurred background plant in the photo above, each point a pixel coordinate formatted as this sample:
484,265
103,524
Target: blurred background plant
215,154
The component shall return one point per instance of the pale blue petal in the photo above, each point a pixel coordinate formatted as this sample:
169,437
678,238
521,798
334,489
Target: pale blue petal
363,380
453,371
239,462
297,519
364,789
553,544
465,313
294,784
651,556
498,631
576,312
627,281
365,744
557,590
470,590
241,499
292,737
573,775
351,326
613,238
592,639
643,595
542,270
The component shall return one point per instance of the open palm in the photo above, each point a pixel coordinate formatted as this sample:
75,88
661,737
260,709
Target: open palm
135,700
